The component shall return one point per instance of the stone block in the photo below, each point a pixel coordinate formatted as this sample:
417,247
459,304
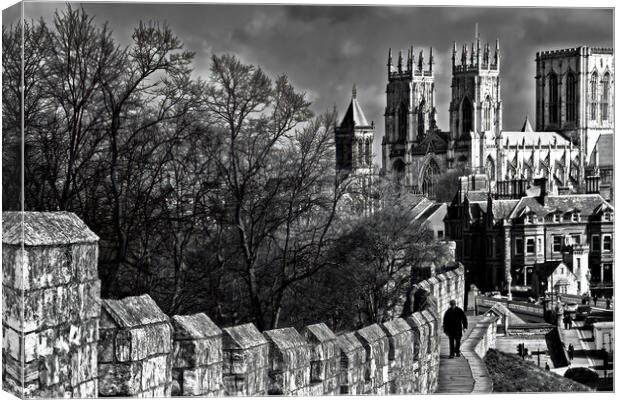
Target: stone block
120,379
289,361
324,355
141,342
245,361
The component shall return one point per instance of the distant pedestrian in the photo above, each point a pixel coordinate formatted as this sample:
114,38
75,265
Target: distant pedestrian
547,368
570,322
595,298
571,352
565,320
608,301
454,324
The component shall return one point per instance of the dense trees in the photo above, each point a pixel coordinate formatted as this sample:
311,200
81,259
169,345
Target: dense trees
214,195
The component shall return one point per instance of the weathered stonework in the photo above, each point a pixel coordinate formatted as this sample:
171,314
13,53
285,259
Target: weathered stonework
376,344
246,358
289,362
401,356
65,341
135,346
197,356
352,364
324,359
50,319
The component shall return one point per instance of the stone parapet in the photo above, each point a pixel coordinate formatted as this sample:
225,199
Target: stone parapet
135,349
51,305
246,361
197,356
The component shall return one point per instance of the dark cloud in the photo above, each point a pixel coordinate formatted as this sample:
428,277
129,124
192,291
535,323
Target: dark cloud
326,49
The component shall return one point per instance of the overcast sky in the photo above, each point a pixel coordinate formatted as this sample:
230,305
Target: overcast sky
325,50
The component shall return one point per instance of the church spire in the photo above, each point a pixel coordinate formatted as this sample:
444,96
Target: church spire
410,59
421,60
389,62
354,92
497,53
400,61
453,54
431,61
477,46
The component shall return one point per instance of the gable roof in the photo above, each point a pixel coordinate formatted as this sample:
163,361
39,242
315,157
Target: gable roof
430,211
45,228
531,138
586,204
527,127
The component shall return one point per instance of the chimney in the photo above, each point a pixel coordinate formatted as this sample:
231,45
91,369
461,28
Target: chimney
542,184
592,184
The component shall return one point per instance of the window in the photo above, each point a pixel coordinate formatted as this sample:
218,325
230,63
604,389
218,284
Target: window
605,98
593,96
368,153
575,217
429,178
578,264
553,98
530,219
607,243
489,246
519,246
562,271
557,244
439,234
421,127
360,153
595,242
576,239
607,216
486,115
530,246
467,112
490,169
539,245
571,97
498,247
557,218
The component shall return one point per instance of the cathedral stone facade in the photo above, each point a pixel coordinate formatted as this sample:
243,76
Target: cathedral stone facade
574,110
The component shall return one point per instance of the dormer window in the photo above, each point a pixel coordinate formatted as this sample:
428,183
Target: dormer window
557,218
607,216
530,219
575,217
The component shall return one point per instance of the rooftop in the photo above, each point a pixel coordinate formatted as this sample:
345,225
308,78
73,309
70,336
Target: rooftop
354,116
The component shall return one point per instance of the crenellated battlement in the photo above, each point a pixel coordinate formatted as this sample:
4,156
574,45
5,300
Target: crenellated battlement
572,52
84,346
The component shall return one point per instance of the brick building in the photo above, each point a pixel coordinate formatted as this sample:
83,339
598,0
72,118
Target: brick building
520,241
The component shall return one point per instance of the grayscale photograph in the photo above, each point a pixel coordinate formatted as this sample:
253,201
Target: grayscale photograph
231,199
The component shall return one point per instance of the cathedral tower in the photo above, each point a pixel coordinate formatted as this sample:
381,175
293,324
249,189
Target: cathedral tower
354,158
475,107
409,113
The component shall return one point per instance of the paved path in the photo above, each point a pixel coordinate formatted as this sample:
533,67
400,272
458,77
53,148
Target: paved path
465,374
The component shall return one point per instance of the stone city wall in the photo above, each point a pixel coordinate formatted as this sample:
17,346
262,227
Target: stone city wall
79,345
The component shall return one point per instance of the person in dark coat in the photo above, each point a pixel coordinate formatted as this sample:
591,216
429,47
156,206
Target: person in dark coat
571,352
454,323
547,368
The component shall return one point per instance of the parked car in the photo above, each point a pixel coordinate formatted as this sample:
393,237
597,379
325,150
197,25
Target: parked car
582,313
590,320
571,307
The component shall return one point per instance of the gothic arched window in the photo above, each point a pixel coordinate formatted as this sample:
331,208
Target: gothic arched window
553,98
429,178
593,95
490,168
421,127
571,97
360,153
368,153
486,115
468,112
605,98
402,123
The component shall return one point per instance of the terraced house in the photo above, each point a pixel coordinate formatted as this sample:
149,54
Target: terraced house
535,241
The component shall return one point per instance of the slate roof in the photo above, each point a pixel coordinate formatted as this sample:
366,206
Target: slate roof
503,208
586,204
134,311
354,116
45,229
426,214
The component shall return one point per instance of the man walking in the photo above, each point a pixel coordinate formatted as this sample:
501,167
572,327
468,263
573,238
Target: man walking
571,352
454,324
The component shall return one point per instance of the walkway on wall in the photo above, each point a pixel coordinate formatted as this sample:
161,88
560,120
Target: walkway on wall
465,374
